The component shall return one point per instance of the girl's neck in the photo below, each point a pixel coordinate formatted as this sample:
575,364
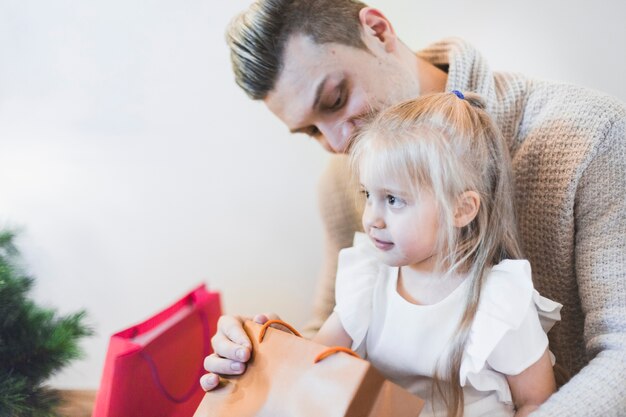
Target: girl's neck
425,288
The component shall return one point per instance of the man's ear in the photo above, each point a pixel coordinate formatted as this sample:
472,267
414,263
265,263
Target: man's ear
375,23
466,209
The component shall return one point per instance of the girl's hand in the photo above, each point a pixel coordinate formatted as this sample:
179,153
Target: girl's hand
231,347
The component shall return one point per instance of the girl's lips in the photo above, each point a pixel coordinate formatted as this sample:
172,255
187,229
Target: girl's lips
381,244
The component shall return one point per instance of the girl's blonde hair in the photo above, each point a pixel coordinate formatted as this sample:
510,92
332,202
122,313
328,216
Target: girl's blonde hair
448,145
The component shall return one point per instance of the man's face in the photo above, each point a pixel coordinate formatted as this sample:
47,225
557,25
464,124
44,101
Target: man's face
324,90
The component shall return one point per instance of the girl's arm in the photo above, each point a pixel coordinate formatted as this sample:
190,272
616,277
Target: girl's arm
332,333
533,386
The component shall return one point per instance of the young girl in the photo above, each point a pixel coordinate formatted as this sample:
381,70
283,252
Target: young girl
435,293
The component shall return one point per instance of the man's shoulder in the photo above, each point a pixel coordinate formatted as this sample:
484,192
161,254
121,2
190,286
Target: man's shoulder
560,112
573,102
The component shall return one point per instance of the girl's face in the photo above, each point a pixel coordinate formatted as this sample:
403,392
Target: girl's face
402,227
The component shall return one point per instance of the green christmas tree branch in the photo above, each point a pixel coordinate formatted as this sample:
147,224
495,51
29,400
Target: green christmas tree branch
35,342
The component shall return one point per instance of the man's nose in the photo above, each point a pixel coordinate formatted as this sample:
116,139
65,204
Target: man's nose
337,135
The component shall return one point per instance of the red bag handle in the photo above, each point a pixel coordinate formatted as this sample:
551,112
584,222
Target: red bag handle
155,372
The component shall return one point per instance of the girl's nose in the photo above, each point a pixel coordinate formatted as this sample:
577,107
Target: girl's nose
372,218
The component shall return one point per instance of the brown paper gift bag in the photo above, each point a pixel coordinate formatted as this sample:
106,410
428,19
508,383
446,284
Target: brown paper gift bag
283,380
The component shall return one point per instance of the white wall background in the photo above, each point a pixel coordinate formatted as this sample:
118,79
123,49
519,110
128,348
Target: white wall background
135,167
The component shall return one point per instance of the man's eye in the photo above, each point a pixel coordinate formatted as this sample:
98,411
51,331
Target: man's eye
338,102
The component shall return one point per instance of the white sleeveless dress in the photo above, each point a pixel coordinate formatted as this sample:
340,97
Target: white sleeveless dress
404,340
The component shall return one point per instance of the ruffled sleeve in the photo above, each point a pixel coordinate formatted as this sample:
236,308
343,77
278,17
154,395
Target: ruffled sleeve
357,271
509,331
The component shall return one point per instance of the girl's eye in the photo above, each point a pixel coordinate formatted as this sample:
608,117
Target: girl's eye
395,202
366,194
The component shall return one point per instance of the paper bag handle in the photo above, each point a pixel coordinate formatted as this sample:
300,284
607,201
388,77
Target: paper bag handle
335,349
282,323
192,389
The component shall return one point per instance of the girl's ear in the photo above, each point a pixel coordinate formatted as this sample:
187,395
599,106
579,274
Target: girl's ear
376,24
467,206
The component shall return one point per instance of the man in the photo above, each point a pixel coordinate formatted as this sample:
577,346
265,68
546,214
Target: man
320,66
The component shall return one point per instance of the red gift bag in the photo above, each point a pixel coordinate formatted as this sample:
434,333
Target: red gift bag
153,369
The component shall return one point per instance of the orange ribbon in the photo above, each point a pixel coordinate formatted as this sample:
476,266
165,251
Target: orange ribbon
270,322
335,349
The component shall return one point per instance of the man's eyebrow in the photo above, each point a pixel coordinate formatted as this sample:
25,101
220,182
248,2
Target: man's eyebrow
316,102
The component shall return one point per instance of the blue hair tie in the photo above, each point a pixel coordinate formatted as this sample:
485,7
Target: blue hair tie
458,94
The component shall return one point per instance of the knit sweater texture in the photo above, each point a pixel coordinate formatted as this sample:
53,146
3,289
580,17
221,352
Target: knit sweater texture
568,148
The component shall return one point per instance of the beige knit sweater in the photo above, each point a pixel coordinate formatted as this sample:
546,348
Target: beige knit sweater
568,146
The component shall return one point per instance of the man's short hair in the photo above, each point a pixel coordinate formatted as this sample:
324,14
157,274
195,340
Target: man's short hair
257,37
